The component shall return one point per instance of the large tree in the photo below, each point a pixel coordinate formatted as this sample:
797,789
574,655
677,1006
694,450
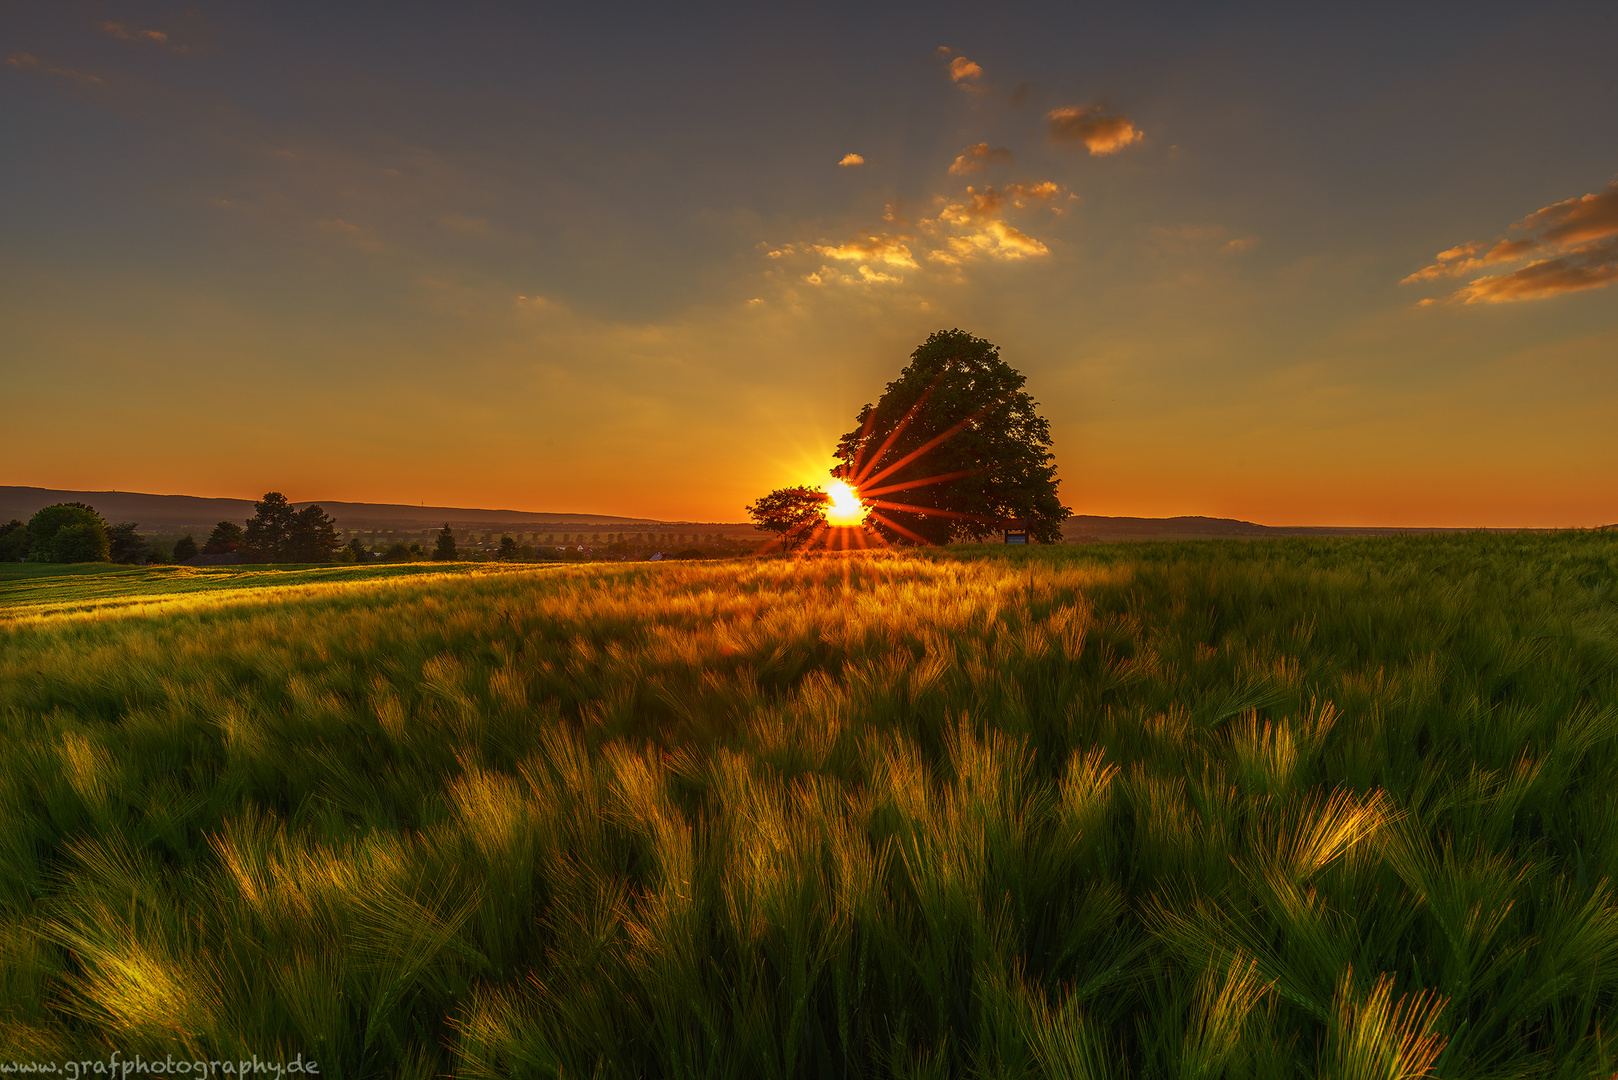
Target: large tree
954,449
269,530
312,536
67,532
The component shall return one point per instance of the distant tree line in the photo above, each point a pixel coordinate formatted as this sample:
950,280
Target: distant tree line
279,533
74,533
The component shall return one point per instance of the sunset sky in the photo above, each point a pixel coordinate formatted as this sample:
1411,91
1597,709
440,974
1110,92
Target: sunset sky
1261,262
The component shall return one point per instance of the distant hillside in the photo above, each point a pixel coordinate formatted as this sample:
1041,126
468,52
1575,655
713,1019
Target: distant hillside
1086,528
190,513
172,513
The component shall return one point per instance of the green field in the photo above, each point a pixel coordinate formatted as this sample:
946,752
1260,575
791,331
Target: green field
1218,808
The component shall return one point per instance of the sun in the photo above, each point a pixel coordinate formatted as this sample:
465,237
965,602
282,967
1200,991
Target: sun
845,510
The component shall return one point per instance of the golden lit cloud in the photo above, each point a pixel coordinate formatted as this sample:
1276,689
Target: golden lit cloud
1100,131
961,68
1044,191
880,249
851,160
974,158
1574,221
1588,266
978,204
1578,239
979,229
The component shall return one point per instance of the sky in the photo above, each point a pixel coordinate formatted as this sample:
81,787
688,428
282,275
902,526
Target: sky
1295,266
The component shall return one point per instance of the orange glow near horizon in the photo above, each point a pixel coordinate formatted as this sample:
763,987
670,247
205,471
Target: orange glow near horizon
627,311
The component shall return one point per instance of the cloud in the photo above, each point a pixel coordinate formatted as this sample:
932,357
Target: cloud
1573,221
1044,190
851,160
880,249
974,158
994,238
981,230
978,204
30,62
1466,257
123,32
1101,132
1576,239
961,68
1588,266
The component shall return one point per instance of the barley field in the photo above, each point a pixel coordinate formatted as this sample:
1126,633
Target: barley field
1341,808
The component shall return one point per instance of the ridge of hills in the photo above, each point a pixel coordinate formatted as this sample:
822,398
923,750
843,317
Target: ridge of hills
167,513
180,513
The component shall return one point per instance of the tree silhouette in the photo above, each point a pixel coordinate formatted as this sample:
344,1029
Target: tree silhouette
67,532
312,536
226,537
269,529
792,513
126,544
445,549
958,436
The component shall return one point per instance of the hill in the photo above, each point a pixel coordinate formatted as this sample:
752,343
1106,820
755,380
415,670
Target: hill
178,513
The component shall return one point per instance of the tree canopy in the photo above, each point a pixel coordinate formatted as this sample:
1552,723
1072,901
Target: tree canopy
792,513
278,533
226,537
268,530
957,441
312,536
445,551
14,541
67,532
126,544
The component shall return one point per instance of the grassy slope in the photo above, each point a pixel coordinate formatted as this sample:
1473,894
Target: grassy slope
44,589
1243,809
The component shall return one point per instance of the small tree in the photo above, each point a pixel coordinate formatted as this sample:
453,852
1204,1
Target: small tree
792,513
445,549
312,536
508,549
125,544
268,531
13,541
224,540
356,551
185,548
86,542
